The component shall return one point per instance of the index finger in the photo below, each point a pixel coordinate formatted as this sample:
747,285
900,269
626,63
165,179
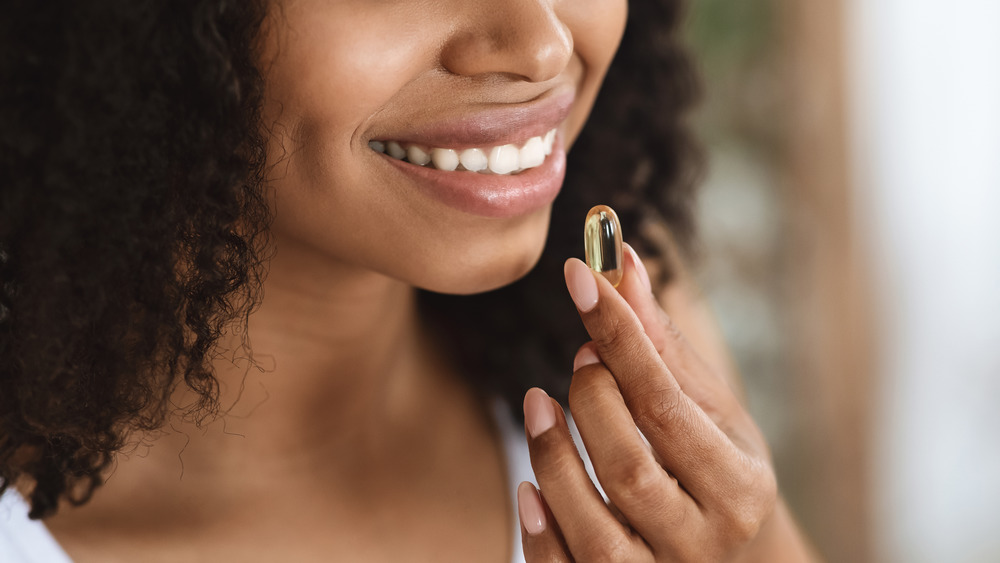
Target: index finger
692,447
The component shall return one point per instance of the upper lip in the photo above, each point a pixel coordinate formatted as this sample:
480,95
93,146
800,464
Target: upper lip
492,126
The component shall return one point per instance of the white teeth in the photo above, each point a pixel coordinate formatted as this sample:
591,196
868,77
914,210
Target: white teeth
532,154
473,160
417,155
550,139
503,159
444,159
394,150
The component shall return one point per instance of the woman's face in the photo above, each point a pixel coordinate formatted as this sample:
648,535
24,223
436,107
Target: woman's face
464,83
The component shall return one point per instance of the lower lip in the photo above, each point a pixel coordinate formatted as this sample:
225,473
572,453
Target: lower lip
491,195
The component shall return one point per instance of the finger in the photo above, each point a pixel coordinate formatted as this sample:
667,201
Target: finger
649,498
591,532
637,290
707,387
666,337
685,305
693,448
540,537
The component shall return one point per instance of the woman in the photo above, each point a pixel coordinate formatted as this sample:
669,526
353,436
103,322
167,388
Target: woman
234,243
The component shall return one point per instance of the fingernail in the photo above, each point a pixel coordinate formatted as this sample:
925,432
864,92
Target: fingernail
581,284
539,415
529,506
640,268
584,357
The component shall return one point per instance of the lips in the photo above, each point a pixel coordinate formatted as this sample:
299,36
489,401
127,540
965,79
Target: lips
498,125
494,187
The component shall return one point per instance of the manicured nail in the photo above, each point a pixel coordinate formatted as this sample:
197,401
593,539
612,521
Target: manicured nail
640,268
529,506
584,357
581,284
539,415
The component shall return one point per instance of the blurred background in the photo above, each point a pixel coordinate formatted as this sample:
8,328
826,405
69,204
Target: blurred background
850,223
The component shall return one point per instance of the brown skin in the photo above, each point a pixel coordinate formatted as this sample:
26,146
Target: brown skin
357,439
703,489
342,73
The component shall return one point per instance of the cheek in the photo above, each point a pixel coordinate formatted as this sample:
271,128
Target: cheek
327,67
597,27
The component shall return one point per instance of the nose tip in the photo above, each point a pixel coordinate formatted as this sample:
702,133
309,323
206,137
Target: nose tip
524,38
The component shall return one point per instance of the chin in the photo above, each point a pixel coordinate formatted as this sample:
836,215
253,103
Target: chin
479,272
484,259
482,279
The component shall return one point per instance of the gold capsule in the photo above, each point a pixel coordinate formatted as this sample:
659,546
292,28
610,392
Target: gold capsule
602,240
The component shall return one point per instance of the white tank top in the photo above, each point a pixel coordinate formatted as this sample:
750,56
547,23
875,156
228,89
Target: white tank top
29,541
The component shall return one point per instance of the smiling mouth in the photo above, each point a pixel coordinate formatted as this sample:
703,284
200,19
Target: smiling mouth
503,159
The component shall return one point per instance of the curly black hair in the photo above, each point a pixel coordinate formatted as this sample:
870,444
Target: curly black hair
133,222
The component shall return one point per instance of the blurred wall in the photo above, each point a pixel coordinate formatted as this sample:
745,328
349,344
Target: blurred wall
781,263
925,83
851,225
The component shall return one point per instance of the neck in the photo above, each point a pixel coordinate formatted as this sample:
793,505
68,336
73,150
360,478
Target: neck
333,346
351,423
339,366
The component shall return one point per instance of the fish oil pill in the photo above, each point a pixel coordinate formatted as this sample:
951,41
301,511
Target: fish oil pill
602,239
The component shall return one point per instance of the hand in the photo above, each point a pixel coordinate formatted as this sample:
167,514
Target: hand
702,487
